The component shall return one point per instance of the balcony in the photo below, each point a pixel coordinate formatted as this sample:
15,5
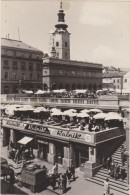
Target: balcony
68,134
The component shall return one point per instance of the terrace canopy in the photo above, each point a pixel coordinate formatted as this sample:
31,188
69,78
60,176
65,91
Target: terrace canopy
25,140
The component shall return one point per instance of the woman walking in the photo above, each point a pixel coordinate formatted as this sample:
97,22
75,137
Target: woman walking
106,187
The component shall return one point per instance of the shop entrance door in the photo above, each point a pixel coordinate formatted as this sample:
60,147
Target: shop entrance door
43,150
81,156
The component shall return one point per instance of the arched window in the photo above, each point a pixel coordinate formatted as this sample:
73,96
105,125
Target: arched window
14,75
57,44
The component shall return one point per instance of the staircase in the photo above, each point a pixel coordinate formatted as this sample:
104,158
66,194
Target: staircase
102,174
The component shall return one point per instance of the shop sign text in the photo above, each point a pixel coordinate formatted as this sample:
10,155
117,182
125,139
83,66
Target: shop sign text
37,128
69,134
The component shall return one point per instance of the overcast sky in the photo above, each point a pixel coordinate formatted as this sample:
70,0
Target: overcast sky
100,30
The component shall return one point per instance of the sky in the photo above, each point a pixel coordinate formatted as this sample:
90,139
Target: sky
100,30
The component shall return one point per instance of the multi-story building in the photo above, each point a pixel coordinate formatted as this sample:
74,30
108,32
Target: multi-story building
21,66
115,77
126,82
60,72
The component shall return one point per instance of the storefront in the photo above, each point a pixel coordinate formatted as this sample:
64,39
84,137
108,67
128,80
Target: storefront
80,155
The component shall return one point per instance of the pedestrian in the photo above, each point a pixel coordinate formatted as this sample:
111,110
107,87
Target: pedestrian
53,181
123,172
122,154
116,171
106,187
112,168
11,181
63,183
104,162
55,170
68,173
59,183
73,171
109,160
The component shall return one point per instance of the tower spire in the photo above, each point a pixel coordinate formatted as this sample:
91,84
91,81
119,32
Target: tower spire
61,19
61,5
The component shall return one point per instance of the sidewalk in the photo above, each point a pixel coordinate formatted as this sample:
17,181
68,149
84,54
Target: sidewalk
80,186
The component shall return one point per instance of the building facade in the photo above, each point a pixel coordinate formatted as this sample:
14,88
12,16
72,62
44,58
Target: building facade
115,77
21,66
60,72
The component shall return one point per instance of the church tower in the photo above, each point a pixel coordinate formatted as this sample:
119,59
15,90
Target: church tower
60,39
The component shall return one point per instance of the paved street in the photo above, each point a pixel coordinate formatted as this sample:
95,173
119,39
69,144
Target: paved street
80,186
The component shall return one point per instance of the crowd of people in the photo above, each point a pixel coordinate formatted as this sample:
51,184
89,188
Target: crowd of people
60,180
114,169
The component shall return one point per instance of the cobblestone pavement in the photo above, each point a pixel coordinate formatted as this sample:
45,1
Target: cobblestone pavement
80,186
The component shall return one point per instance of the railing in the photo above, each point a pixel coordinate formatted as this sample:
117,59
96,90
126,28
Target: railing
74,134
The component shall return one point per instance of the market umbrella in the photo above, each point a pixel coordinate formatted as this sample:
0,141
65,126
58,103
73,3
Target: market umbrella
71,110
82,115
100,116
40,92
40,109
113,117
54,109
95,111
56,113
84,111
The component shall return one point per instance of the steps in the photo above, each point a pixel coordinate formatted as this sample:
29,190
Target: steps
102,174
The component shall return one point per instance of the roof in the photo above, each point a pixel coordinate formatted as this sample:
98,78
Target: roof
56,61
113,74
17,44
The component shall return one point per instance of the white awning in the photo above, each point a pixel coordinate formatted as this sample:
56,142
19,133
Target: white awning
25,140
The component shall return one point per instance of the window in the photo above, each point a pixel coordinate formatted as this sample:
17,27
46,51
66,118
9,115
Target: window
38,76
14,75
15,65
65,55
37,56
23,66
15,53
114,81
6,75
30,76
57,43
5,52
65,44
22,55
39,67
30,55
125,80
57,55
30,66
73,73
23,76
6,64
117,80
60,72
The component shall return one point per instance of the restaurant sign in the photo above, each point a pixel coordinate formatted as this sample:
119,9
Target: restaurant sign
72,135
